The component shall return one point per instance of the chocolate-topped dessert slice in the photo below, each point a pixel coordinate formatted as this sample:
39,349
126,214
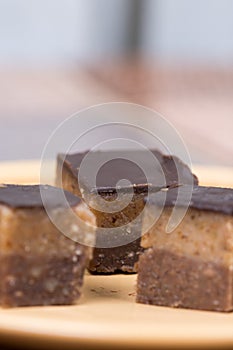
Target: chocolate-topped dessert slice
39,264
191,267
140,168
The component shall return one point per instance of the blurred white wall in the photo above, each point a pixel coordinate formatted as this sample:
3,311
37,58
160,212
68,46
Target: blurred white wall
64,31
37,31
188,30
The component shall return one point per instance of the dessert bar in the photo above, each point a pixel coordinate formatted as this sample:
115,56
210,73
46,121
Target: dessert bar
38,264
191,267
123,256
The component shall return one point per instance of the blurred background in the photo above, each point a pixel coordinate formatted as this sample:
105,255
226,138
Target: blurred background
59,56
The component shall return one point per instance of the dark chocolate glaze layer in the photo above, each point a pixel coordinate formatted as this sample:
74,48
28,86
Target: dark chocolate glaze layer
126,168
22,196
215,199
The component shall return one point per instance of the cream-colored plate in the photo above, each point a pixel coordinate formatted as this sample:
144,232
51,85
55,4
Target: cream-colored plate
107,315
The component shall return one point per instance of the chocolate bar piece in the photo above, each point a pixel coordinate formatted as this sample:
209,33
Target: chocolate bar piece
38,264
121,258
191,267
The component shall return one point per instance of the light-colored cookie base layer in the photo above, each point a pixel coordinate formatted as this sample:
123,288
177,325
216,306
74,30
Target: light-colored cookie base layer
204,234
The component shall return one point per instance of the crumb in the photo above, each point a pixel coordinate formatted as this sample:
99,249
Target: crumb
132,294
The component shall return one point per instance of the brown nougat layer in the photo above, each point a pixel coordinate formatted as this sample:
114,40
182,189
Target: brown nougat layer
41,280
166,278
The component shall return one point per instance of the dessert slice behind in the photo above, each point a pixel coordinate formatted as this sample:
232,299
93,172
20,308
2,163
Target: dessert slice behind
124,256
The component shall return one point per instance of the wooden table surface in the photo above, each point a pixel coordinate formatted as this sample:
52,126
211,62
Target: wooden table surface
197,100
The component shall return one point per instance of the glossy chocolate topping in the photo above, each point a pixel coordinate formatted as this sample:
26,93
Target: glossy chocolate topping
215,199
128,168
21,196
